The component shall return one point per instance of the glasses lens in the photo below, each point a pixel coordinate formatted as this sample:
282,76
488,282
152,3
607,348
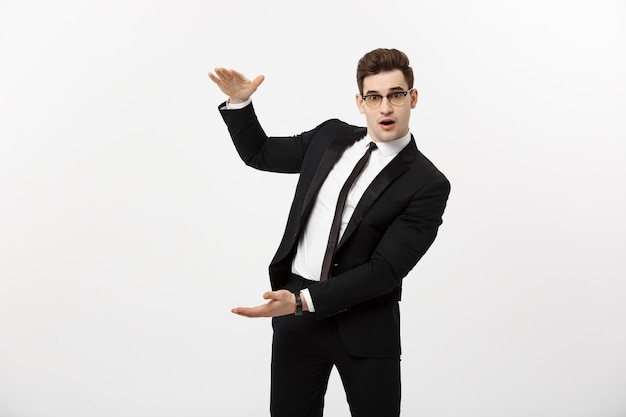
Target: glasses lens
397,99
373,101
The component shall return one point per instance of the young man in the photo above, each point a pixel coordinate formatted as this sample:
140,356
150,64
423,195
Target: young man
337,274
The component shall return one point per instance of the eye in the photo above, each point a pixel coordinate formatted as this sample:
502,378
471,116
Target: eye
395,95
373,98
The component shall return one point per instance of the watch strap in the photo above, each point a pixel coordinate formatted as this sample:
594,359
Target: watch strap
298,304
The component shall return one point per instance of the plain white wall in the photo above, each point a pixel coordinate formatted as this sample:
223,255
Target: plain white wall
129,227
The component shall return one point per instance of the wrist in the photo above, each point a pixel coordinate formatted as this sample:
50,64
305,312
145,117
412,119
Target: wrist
236,100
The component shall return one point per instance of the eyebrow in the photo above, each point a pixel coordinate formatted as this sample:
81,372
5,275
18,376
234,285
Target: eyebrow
391,90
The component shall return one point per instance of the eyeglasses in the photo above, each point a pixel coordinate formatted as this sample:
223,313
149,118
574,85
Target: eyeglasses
397,98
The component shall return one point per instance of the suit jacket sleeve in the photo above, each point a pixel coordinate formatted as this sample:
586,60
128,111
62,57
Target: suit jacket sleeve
257,150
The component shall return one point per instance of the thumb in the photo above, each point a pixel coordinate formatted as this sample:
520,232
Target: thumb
258,80
269,295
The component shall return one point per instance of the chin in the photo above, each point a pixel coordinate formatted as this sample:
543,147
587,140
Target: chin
387,137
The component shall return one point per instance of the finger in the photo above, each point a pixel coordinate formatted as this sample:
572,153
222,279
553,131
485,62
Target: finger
240,312
232,74
223,73
258,311
220,75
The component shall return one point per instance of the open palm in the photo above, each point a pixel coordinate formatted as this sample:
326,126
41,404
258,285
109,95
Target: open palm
234,84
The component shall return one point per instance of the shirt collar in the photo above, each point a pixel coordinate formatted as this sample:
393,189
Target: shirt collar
389,148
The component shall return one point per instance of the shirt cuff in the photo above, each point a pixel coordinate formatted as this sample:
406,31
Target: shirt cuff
309,301
236,106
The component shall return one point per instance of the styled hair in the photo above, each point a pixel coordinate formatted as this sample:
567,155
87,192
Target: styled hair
383,60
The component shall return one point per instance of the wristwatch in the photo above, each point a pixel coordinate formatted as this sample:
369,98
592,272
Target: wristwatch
298,304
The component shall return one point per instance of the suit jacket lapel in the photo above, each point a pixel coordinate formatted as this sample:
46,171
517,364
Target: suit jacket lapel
392,171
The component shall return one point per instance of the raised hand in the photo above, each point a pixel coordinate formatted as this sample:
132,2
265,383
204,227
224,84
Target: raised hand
234,84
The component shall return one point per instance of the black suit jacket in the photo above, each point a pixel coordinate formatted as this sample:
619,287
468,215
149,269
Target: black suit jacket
393,225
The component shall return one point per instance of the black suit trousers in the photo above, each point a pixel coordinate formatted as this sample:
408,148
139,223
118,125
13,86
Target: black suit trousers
305,350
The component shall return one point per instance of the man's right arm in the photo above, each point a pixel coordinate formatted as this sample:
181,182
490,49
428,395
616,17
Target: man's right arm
256,149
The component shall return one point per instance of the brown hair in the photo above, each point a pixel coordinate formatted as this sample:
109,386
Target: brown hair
383,60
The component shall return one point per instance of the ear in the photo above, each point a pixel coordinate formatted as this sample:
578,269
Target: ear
414,96
360,104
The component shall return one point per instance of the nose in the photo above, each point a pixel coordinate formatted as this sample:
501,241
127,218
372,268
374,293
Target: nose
386,107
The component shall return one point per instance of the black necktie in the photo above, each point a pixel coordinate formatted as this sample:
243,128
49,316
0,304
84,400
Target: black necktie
341,201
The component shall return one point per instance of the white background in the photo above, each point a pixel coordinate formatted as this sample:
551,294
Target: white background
129,227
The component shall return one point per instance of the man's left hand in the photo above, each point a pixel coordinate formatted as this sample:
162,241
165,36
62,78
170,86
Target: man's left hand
282,303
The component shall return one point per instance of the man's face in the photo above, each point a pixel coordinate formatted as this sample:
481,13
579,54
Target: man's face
387,122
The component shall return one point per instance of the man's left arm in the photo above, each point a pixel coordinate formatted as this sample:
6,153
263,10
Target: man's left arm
405,241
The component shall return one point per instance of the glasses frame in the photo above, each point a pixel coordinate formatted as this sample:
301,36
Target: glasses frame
404,93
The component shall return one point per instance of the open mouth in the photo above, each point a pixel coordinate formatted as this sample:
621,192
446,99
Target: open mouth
387,123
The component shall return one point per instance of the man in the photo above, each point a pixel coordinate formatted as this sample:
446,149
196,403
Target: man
334,298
